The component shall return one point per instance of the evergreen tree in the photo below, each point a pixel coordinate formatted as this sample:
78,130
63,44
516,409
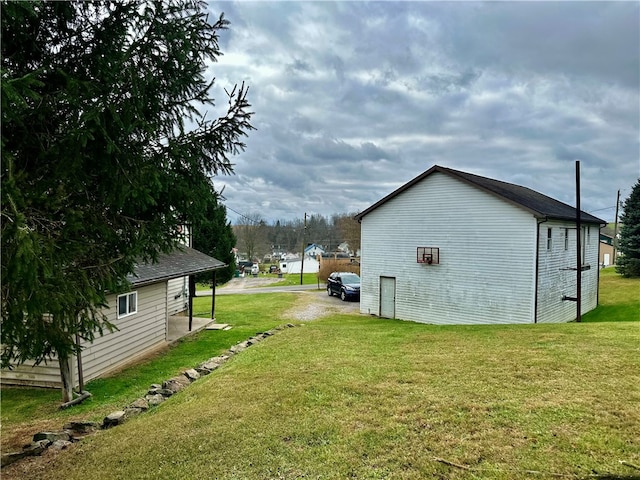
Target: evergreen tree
214,236
106,152
628,264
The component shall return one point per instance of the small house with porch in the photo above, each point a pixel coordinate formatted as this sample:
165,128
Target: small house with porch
450,247
143,317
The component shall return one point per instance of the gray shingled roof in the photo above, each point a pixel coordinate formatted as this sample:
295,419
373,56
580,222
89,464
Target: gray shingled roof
178,263
541,206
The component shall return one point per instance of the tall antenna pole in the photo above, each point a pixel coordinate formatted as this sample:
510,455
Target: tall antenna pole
578,246
615,230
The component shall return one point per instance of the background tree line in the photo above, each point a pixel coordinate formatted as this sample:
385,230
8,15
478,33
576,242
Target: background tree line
256,238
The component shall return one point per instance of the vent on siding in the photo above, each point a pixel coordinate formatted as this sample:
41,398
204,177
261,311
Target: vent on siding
428,255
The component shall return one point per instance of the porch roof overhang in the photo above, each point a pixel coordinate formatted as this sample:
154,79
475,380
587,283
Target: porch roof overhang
182,262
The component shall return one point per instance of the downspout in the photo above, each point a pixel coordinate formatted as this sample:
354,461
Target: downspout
79,359
537,280
598,277
192,293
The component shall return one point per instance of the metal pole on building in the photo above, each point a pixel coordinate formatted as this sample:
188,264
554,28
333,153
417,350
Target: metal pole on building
578,246
615,230
304,234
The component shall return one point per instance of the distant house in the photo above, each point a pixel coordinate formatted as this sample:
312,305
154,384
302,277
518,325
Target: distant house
311,265
606,250
450,247
142,316
313,250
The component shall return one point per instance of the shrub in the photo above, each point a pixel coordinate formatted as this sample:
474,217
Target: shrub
328,265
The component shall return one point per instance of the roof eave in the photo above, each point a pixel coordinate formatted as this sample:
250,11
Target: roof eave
164,278
455,174
397,192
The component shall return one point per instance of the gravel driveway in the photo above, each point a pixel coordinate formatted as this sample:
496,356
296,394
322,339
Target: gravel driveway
316,304
311,304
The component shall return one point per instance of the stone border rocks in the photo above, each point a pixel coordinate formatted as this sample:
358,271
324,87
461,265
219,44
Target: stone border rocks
157,393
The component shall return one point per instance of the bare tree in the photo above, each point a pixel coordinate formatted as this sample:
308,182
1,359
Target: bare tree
252,236
348,230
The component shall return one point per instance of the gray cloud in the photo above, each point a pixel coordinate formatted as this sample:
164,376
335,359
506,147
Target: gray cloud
353,99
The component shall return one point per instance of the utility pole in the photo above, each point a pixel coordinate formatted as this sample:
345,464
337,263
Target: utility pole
579,246
304,235
615,230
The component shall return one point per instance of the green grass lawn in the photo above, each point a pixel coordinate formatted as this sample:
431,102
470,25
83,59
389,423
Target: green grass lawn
286,280
619,298
359,397
294,279
25,410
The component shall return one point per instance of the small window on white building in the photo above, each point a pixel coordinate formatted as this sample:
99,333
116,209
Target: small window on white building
549,232
127,304
586,240
566,239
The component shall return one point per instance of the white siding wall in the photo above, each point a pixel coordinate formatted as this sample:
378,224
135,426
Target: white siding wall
557,277
178,295
487,255
311,265
137,334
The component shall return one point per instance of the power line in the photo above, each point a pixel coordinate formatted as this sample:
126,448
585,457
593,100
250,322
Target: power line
252,220
601,209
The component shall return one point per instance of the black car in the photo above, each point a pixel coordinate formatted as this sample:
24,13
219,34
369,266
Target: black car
345,284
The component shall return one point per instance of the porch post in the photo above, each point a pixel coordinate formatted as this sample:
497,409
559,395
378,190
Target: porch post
213,296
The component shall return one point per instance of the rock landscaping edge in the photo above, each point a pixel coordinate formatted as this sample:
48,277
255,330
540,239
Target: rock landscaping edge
77,430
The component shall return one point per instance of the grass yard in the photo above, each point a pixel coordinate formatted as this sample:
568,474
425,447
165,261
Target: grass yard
290,279
286,280
352,396
26,411
619,298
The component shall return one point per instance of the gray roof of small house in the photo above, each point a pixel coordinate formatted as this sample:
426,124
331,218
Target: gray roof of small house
539,205
312,246
179,263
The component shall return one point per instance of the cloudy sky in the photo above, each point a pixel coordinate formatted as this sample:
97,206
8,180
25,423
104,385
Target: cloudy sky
353,99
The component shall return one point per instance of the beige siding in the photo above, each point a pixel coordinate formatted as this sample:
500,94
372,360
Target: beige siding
606,254
138,333
178,295
43,375
557,275
487,255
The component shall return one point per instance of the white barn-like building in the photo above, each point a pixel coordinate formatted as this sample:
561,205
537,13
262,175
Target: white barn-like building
450,247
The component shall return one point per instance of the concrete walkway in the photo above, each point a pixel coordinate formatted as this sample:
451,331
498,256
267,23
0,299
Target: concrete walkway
179,326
